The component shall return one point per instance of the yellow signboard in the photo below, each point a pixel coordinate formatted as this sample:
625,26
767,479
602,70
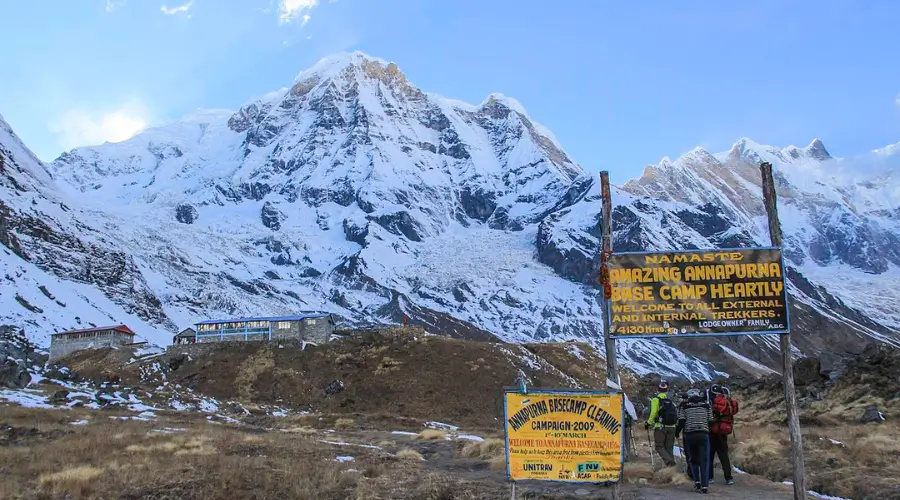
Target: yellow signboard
572,436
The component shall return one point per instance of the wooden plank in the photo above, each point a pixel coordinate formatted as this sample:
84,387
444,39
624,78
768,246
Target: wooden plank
787,362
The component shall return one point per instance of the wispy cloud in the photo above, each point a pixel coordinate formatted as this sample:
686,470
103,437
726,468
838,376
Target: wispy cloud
112,5
293,10
79,127
171,11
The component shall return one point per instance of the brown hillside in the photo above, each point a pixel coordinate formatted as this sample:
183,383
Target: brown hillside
395,371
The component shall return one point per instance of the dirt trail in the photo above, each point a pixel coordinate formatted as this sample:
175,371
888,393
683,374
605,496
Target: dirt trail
745,486
443,455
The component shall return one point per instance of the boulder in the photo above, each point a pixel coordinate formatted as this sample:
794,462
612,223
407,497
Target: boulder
334,388
59,397
271,217
186,213
872,415
13,374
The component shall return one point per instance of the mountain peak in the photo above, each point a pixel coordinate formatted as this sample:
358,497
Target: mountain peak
817,150
509,102
335,64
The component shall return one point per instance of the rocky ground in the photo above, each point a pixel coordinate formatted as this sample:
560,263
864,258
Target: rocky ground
362,418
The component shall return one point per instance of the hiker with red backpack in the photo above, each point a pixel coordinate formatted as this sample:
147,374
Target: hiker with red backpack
724,409
663,419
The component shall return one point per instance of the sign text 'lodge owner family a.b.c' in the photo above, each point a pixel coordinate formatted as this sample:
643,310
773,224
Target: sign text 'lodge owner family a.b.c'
570,436
702,292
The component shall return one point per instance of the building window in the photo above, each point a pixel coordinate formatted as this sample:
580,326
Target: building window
284,325
311,322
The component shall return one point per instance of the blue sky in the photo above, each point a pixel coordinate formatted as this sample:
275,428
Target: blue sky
621,84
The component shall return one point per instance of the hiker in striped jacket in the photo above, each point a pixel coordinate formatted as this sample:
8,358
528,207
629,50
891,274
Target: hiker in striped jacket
694,419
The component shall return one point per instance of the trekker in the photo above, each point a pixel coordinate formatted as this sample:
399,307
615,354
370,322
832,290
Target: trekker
663,419
682,398
724,409
694,417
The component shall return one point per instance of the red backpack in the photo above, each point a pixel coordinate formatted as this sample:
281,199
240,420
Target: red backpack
724,409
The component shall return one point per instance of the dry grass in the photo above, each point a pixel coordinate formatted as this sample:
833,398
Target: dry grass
485,450
670,475
123,459
71,479
432,434
409,454
251,369
344,423
635,471
498,462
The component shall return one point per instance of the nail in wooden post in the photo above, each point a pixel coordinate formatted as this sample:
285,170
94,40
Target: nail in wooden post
787,362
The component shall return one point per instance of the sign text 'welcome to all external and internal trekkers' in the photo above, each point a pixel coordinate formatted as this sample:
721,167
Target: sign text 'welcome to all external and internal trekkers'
697,293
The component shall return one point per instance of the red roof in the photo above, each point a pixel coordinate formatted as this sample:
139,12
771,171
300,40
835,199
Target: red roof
119,328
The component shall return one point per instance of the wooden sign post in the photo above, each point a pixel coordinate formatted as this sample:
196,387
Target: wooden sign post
787,362
612,364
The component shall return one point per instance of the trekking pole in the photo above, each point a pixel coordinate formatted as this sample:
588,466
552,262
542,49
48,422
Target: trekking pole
650,442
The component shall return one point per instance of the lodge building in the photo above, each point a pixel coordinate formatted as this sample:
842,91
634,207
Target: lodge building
64,343
312,326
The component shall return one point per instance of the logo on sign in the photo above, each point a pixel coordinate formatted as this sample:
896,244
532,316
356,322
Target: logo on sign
589,467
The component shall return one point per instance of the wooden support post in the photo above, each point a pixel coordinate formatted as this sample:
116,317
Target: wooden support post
612,363
787,362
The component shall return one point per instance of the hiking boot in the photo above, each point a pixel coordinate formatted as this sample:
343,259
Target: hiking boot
696,486
711,480
704,490
729,481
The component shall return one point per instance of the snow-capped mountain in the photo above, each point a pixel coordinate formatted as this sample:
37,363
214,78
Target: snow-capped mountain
355,192
56,270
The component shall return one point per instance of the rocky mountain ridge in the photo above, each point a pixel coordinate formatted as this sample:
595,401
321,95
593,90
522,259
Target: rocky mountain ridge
355,192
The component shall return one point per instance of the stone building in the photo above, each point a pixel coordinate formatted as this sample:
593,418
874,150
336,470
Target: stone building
314,327
64,343
186,336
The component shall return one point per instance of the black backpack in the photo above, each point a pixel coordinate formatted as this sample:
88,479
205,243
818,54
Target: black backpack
668,414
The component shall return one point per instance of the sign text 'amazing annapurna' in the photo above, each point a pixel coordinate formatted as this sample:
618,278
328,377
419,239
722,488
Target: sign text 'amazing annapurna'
697,293
564,436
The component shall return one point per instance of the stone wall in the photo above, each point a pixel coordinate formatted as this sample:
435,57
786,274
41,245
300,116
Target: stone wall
204,348
60,348
319,331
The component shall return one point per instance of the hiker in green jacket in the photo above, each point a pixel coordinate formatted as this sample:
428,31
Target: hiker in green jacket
663,419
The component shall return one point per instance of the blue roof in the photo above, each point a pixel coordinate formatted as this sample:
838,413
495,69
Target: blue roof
306,315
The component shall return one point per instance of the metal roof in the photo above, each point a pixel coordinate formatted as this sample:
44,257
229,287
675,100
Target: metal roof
187,332
306,315
118,328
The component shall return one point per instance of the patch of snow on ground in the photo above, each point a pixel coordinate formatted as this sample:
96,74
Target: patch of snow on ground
746,360
209,405
838,443
344,459
470,437
80,422
441,426
167,430
404,433
574,350
25,398
341,443
825,497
